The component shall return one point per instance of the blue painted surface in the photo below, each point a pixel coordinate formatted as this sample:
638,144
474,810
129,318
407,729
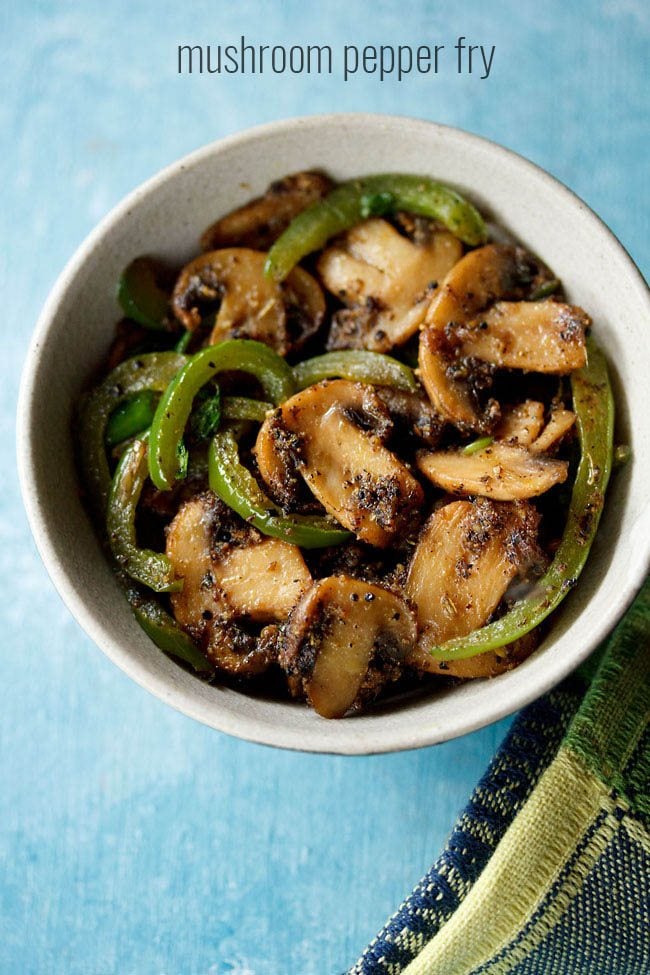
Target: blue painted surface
131,839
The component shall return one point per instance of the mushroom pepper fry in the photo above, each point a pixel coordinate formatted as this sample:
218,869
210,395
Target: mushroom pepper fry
594,407
307,471
354,201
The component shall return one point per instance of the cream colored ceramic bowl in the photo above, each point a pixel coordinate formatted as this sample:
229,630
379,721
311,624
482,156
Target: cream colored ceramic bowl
165,216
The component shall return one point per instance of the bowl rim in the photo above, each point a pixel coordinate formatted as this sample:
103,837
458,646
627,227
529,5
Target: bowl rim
248,727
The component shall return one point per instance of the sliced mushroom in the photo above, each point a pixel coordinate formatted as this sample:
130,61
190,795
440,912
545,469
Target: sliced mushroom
455,387
483,276
450,369
386,282
277,448
189,544
249,304
537,336
344,641
304,305
277,452
489,664
467,556
558,426
501,471
230,574
521,424
264,580
329,433
259,223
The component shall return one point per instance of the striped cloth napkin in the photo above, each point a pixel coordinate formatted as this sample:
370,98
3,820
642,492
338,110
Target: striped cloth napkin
547,871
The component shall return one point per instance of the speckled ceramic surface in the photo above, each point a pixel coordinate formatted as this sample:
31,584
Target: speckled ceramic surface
165,217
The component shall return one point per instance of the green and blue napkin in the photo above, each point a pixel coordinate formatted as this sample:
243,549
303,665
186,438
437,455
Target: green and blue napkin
547,870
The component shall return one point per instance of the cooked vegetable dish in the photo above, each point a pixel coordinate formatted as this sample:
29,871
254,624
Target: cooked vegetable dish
358,444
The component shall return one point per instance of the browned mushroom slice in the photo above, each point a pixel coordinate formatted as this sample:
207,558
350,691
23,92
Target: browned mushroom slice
259,223
448,384
558,426
489,664
189,544
483,276
521,424
238,653
277,452
348,469
537,336
264,580
345,640
277,448
249,304
386,282
230,573
304,303
467,556
501,471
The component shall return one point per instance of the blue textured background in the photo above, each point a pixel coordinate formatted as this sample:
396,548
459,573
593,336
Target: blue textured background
131,839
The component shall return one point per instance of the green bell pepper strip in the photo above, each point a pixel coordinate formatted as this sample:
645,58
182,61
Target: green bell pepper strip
131,417
205,420
350,203
175,406
475,446
593,405
183,342
152,371
167,634
140,296
153,569
376,204
243,408
545,290
359,365
237,488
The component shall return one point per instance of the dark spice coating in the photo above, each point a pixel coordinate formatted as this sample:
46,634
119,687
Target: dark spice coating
286,487
412,417
200,296
350,327
384,498
238,653
363,562
519,523
472,380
